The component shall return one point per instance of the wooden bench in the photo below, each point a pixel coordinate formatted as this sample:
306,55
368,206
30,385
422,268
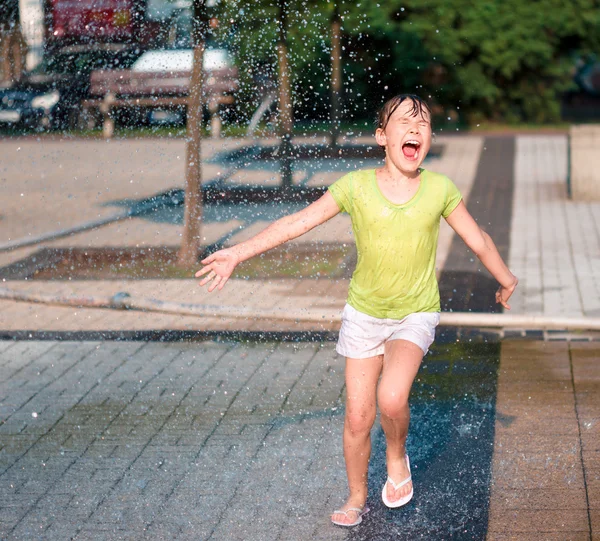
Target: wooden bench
584,162
112,89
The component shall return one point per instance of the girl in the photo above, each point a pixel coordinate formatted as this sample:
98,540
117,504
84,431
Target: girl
393,303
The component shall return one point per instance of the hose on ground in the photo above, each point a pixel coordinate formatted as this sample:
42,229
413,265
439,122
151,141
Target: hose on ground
123,301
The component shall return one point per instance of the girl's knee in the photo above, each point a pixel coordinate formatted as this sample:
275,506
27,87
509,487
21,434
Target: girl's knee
360,421
393,405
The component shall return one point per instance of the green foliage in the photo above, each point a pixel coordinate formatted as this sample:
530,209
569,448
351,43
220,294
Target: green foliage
253,35
504,60
499,59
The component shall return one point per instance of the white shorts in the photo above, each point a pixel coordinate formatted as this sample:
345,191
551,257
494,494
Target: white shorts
363,336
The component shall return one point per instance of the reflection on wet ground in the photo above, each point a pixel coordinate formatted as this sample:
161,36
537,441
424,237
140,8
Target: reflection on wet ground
450,445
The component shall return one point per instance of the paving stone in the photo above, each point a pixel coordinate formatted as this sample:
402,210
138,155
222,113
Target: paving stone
536,423
133,181
547,536
263,460
541,521
538,482
553,238
547,498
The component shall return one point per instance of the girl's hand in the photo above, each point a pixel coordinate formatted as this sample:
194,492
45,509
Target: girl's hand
504,293
219,267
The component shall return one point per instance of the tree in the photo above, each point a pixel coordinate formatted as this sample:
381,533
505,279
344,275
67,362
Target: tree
286,118
189,251
12,44
499,59
336,73
255,39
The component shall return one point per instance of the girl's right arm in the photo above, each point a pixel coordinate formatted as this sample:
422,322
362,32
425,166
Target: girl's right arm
219,266
484,248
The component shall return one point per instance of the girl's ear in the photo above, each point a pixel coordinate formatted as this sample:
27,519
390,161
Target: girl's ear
380,137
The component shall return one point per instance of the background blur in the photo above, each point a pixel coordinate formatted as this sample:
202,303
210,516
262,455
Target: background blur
480,63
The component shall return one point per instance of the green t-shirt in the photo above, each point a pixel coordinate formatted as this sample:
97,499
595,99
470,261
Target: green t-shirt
396,244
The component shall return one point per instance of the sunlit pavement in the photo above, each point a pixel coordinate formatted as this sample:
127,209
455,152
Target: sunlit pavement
551,242
59,185
546,466
228,441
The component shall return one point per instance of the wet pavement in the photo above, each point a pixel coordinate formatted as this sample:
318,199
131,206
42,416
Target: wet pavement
228,440
450,445
130,440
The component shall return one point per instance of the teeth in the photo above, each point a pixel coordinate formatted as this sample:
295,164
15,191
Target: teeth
412,142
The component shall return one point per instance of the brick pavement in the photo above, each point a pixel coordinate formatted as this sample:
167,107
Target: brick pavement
225,441
119,423
327,295
153,441
555,242
546,449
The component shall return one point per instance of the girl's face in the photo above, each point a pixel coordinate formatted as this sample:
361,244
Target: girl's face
406,138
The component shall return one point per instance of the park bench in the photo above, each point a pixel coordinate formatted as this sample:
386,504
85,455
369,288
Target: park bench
112,89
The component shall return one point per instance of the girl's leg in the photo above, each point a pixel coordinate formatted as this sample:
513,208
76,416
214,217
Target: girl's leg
361,407
400,366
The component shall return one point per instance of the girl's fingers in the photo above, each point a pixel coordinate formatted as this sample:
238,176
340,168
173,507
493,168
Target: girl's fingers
208,259
501,300
214,284
223,282
217,279
208,278
203,271
204,281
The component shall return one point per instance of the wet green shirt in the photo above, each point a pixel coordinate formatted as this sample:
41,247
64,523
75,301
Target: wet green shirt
396,244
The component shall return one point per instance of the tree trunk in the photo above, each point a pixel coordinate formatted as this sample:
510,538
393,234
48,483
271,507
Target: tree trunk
6,76
189,251
285,99
13,47
336,73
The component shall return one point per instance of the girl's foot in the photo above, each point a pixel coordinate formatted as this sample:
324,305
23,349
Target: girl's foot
350,513
398,471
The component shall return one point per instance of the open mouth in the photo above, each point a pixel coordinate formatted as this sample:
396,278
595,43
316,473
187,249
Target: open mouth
410,149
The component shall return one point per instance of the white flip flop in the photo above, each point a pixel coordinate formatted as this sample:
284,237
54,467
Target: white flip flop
405,499
360,512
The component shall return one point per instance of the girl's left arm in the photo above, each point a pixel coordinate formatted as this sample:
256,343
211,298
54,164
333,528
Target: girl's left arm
484,248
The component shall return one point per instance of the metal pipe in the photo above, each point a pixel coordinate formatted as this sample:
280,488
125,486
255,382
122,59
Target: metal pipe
123,301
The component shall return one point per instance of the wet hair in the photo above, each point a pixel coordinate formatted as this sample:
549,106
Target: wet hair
419,107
